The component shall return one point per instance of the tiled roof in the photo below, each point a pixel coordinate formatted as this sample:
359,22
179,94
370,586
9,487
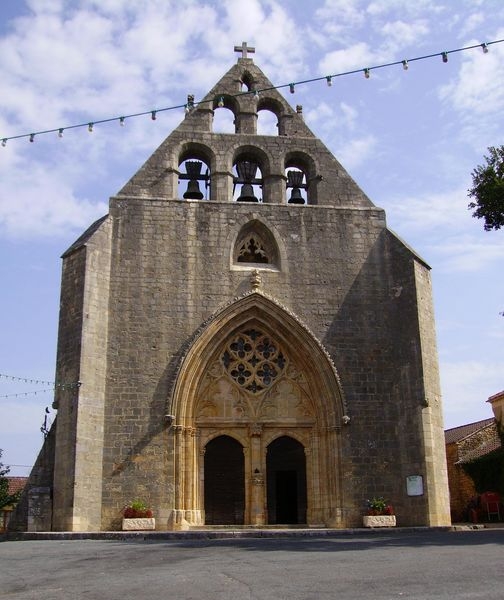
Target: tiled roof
16,484
458,433
490,443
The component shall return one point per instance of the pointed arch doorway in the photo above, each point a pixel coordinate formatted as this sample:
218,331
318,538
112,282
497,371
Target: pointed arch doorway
286,482
257,376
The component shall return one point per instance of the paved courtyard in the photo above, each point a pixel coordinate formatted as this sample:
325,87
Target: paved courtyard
374,565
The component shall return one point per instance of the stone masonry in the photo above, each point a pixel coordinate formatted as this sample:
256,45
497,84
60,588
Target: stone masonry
301,335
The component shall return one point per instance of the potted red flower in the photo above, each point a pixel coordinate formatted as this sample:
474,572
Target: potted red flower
379,513
137,516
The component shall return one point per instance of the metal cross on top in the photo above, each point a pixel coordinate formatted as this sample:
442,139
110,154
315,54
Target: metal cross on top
244,49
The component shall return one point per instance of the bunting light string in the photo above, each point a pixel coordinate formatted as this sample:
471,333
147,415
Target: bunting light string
32,393
191,104
55,385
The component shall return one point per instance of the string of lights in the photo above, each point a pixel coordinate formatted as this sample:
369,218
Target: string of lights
191,104
34,393
54,384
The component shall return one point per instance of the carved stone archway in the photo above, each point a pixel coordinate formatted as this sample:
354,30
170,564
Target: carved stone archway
255,373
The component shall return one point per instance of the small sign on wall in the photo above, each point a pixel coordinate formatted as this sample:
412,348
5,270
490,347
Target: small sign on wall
414,485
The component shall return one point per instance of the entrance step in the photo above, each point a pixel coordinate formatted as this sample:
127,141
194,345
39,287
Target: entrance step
235,527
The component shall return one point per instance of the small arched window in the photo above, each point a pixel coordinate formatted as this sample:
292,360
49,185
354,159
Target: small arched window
255,246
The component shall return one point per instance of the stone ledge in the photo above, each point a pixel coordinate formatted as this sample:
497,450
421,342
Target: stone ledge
379,521
138,524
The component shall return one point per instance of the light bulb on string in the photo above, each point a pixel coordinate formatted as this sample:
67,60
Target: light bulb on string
4,142
60,133
121,121
90,127
405,65
445,56
291,88
329,81
484,47
256,95
367,73
220,103
153,115
32,137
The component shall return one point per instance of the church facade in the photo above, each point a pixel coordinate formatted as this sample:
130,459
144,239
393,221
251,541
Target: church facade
254,346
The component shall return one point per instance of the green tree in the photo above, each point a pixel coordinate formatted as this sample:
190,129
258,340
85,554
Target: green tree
6,499
488,190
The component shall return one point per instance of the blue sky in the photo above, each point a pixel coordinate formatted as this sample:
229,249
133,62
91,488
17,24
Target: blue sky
409,138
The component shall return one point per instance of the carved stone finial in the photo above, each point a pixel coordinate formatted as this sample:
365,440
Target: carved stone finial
255,280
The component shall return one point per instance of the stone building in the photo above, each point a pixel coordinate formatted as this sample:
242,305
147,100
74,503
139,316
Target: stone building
475,461
254,345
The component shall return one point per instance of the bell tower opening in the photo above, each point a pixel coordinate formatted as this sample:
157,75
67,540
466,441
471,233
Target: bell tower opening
286,482
224,482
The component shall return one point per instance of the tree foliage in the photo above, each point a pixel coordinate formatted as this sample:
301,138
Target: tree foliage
6,499
488,190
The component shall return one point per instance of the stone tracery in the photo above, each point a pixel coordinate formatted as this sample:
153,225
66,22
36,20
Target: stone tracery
253,360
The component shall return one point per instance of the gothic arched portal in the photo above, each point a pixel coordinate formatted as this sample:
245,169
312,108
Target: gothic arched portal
255,379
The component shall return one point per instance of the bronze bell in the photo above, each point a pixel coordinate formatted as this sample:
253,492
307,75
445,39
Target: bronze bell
193,169
295,181
246,172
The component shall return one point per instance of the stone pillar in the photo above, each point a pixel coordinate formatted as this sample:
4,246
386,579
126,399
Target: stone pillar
257,500
246,122
274,189
221,189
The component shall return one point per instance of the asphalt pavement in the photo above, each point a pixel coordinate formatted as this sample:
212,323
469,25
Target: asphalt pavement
414,565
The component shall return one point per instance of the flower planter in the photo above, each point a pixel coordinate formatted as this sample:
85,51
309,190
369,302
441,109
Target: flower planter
379,521
139,524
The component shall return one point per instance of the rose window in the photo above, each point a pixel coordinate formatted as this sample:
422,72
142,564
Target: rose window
253,360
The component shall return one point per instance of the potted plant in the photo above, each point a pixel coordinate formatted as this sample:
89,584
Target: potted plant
137,516
379,513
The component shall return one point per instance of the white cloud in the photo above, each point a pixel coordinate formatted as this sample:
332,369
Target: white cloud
347,59
357,151
406,8
468,253
45,206
430,211
471,22
399,34
478,87
337,15
446,231
463,392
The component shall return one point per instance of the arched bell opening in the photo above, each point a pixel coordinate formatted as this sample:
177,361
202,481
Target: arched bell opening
247,82
286,482
194,180
247,178
224,118
301,178
267,122
269,111
224,482
296,186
